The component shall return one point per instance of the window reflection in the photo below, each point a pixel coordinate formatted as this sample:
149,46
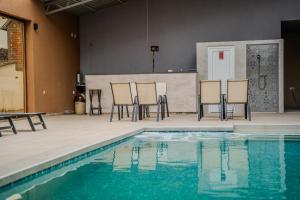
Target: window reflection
12,65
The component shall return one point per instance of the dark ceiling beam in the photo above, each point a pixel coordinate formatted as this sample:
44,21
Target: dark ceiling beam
59,6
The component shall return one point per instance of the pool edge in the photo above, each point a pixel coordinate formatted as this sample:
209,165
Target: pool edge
244,128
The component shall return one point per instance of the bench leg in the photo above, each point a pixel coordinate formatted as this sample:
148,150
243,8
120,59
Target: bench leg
30,123
42,121
12,125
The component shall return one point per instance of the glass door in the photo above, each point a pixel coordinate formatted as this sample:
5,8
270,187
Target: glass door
12,65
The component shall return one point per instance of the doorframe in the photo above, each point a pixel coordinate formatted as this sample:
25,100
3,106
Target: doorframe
210,64
23,22
232,66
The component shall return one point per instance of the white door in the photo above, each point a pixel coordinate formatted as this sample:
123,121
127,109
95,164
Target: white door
221,62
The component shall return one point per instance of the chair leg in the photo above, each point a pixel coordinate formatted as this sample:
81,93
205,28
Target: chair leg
245,111
122,111
127,111
91,103
12,125
167,106
144,111
249,111
137,112
99,103
42,121
158,111
133,113
220,112
162,108
199,112
148,111
30,123
198,108
225,112
112,112
119,114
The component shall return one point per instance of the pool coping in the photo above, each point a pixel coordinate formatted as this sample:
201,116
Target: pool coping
242,128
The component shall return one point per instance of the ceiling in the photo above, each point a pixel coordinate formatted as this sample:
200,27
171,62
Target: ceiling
78,7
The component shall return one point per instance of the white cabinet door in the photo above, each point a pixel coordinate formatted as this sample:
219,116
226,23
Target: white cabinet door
221,64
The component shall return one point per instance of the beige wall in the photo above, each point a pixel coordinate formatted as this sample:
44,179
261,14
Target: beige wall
52,56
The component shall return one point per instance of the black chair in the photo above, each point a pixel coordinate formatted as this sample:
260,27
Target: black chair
210,94
237,93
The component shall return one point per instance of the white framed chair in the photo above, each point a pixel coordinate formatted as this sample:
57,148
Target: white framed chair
210,94
122,96
161,88
147,96
237,93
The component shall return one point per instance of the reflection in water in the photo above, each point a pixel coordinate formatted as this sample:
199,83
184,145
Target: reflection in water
183,166
223,165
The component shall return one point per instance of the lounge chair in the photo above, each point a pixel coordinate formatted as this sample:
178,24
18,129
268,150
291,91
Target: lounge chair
210,94
28,116
161,88
147,96
122,96
237,93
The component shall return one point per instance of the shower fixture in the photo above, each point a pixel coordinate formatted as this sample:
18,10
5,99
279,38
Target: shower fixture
154,49
262,79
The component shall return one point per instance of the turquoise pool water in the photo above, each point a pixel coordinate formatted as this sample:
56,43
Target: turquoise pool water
177,165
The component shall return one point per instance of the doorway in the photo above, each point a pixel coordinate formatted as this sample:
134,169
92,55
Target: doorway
12,65
221,64
290,32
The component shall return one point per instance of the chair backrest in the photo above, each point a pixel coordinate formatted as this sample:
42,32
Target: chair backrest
210,91
237,91
121,93
146,93
161,88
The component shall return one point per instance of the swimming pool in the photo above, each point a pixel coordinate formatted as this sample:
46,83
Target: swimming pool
176,165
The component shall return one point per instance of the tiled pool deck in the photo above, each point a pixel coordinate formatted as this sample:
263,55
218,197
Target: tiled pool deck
70,135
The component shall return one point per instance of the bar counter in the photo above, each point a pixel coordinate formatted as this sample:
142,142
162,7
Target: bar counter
181,88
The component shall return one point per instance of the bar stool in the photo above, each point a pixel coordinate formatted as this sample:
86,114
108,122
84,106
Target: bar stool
97,93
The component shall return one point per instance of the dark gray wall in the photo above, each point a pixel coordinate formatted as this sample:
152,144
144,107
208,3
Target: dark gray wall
117,40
